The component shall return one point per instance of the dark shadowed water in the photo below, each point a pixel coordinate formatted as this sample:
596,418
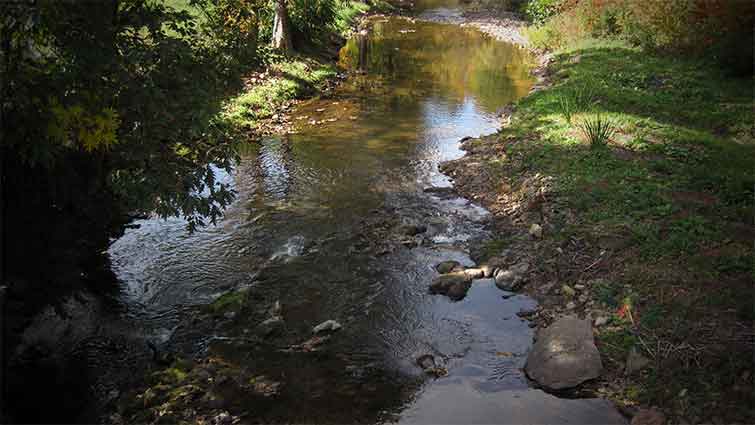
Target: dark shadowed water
318,225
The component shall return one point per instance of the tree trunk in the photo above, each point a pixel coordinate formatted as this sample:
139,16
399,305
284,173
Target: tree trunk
281,29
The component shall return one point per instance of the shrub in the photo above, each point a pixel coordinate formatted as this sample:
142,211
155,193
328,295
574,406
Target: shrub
538,11
310,19
720,29
598,129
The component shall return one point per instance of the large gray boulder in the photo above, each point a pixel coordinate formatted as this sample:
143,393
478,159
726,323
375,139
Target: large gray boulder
564,355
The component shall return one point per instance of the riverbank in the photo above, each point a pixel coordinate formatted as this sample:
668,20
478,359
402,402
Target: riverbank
648,235
271,92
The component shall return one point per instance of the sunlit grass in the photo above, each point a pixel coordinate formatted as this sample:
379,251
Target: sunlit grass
291,79
674,183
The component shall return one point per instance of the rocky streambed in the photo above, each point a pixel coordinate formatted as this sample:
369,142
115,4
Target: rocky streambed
350,282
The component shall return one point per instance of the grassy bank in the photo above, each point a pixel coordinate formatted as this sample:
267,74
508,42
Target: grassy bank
270,91
654,223
277,81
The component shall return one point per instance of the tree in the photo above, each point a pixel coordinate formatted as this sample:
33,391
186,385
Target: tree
281,28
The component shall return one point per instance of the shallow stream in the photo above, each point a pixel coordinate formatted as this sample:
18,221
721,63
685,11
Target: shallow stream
323,225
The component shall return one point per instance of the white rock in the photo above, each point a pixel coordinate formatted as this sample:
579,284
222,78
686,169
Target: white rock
536,231
327,326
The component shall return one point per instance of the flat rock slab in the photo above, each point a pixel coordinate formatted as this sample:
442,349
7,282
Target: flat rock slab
460,403
564,355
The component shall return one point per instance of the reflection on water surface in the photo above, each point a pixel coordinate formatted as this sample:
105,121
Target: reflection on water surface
318,226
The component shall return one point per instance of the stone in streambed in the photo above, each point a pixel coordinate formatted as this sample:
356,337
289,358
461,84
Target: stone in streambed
488,271
564,355
536,231
475,273
512,278
447,266
412,229
270,326
327,326
426,361
459,291
455,285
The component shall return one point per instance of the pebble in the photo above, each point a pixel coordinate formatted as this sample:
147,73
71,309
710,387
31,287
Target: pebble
568,291
570,305
536,231
579,287
600,321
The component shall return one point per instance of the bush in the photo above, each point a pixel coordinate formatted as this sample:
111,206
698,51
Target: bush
538,11
720,29
310,19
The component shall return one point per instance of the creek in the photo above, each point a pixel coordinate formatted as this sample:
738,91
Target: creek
345,219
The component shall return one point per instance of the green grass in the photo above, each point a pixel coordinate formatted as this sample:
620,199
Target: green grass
299,76
681,130
232,301
294,78
676,183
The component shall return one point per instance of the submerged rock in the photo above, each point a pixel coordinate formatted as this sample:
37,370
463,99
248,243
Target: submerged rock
564,355
426,361
327,326
459,291
428,364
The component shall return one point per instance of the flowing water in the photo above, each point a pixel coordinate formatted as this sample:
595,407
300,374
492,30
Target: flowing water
320,226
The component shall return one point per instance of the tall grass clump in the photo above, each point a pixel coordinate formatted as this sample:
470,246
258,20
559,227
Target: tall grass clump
598,130
575,100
